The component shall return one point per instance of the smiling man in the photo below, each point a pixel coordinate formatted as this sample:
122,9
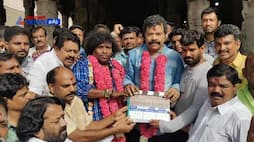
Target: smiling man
65,53
227,46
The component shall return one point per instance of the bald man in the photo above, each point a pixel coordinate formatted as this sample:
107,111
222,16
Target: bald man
80,127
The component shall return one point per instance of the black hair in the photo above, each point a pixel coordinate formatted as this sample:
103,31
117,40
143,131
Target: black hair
228,29
138,30
210,10
192,36
2,29
127,30
97,28
36,28
58,31
97,38
66,35
176,31
73,27
224,70
154,20
32,117
10,32
6,56
10,83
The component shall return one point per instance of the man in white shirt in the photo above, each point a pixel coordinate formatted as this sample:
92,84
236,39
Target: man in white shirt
65,53
222,118
40,41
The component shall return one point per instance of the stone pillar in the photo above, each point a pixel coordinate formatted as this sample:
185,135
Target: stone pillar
29,11
47,8
195,8
247,27
81,13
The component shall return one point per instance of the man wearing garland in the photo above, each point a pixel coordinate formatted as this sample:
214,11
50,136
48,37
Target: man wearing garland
100,78
154,67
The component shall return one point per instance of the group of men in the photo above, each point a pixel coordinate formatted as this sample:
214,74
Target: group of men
214,101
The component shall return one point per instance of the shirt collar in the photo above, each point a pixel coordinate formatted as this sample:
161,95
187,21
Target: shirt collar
225,107
34,139
57,59
237,61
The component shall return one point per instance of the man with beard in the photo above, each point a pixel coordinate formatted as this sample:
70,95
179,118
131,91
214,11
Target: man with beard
65,53
193,85
17,40
42,120
62,84
14,89
222,118
153,67
210,21
40,41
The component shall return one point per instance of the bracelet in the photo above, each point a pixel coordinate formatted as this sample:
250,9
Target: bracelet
106,94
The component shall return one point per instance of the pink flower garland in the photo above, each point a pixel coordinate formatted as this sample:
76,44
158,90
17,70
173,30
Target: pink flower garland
103,80
147,130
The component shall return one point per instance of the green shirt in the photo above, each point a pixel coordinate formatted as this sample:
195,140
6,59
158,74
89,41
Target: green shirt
246,98
12,135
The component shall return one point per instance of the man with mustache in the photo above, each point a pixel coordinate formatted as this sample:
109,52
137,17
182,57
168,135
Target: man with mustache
144,64
155,34
65,53
17,41
227,46
222,118
42,120
62,84
40,41
193,86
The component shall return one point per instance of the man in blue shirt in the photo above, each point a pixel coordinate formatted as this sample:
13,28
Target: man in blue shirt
154,60
155,34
